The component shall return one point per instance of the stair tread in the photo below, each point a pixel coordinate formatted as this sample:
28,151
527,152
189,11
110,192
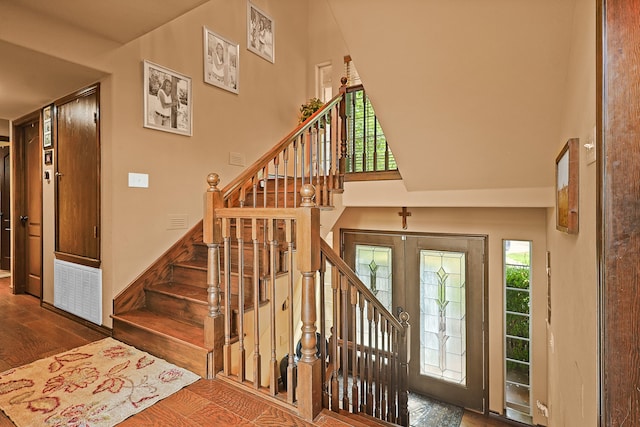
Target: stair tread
199,294
183,331
180,290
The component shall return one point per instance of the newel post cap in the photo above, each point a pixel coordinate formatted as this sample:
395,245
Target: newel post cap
213,179
308,193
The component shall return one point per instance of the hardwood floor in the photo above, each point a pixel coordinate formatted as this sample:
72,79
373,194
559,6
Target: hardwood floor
29,333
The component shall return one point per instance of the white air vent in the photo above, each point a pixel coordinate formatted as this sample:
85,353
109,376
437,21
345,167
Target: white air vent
77,289
177,222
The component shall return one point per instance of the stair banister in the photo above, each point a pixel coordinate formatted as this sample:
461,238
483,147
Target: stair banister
212,237
309,390
334,108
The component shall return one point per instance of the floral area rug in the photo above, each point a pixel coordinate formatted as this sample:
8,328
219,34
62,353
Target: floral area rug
99,384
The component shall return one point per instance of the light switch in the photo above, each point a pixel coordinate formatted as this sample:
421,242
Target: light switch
139,180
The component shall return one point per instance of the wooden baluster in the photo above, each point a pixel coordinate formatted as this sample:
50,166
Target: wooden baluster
308,252
295,173
274,372
241,349
226,236
394,376
376,363
276,163
403,374
285,159
291,370
323,333
342,160
385,369
254,188
365,132
344,288
265,182
370,352
303,154
363,355
256,303
243,196
212,237
335,362
356,356
375,143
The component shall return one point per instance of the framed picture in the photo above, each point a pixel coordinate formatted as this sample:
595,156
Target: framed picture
567,185
260,33
47,135
167,100
221,60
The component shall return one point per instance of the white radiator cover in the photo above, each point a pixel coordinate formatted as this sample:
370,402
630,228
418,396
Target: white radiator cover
77,289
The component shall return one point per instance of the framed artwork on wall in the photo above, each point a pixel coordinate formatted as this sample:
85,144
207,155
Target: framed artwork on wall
221,61
47,134
567,185
167,100
260,33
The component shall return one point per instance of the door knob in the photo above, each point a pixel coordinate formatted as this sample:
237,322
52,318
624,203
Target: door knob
24,218
58,174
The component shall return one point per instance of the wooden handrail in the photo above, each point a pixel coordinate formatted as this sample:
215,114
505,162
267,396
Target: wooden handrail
344,269
264,160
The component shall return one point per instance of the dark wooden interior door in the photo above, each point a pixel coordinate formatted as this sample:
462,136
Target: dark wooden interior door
5,209
28,216
78,179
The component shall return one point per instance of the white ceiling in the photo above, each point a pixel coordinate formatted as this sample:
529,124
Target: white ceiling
29,79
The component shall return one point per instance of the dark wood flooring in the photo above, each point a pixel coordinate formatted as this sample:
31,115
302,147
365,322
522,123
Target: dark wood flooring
29,332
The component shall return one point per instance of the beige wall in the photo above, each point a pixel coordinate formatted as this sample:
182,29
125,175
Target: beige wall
573,365
134,220
499,224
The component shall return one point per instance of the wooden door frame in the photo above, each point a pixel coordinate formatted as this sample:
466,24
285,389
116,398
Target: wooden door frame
18,204
618,216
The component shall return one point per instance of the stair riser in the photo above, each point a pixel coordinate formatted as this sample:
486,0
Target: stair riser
190,276
181,309
164,347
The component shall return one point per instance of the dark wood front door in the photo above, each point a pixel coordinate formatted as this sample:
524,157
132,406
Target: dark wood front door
28,215
5,211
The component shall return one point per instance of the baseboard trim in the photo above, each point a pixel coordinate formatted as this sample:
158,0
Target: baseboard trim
98,328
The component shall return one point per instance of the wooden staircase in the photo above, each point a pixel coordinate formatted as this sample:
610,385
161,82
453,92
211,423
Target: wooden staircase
238,290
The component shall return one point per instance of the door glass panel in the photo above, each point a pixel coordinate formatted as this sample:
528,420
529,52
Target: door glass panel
373,267
442,315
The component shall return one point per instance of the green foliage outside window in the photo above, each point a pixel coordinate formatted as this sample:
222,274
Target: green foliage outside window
517,301
365,137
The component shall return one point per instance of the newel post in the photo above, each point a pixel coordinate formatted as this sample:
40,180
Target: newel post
212,237
405,356
309,389
342,162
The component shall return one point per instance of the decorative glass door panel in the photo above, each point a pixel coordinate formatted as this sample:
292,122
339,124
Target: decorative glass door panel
373,267
442,316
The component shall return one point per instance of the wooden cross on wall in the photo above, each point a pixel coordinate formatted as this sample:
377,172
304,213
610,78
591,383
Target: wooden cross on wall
404,214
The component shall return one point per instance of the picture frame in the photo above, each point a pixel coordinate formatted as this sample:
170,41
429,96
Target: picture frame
47,125
169,112
221,61
260,33
567,186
